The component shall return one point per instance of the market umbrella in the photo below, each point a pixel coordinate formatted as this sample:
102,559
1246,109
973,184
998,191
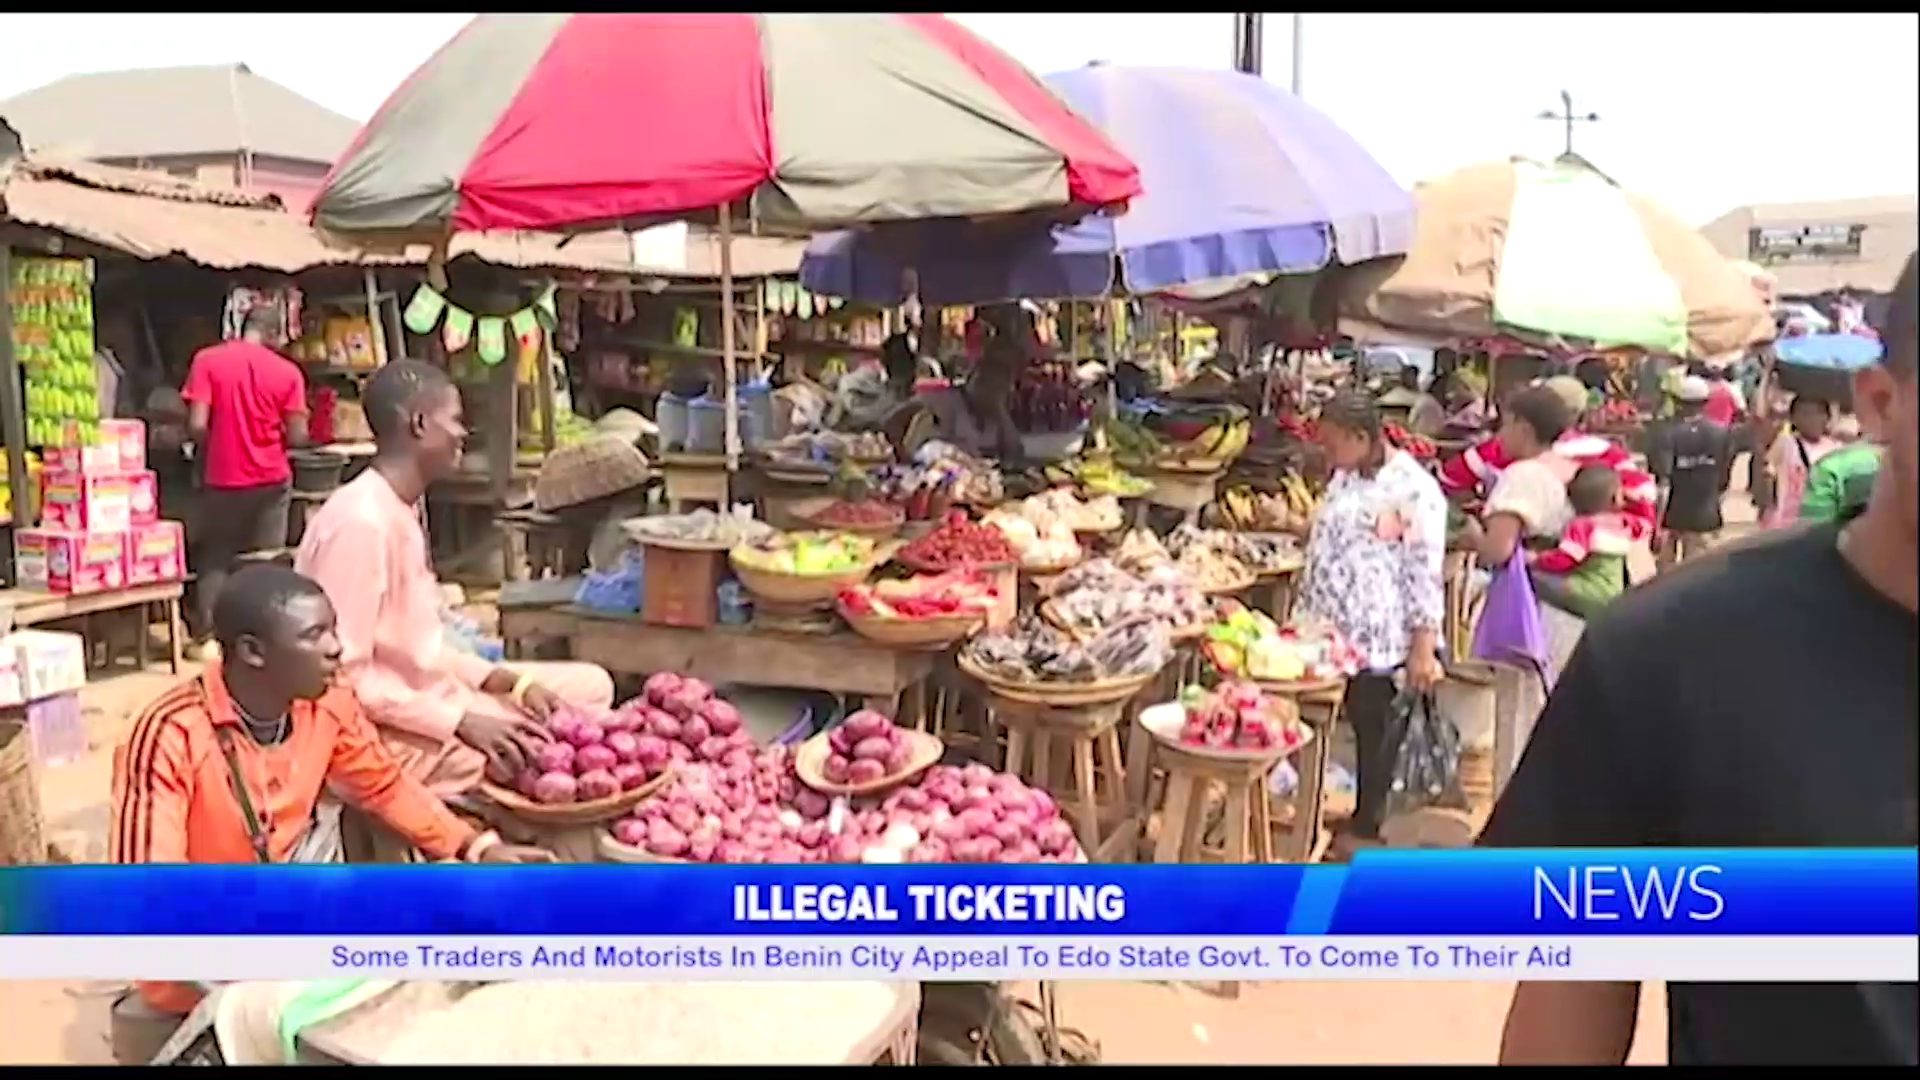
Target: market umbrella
566,121
1241,178
1556,251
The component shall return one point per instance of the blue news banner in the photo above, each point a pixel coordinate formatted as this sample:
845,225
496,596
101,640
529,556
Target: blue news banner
1670,914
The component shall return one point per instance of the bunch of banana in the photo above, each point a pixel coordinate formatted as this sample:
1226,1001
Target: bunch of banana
1301,499
1243,508
1131,441
1220,443
1098,475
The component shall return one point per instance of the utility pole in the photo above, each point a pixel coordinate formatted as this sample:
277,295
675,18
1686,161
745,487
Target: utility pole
1247,42
1568,117
1299,50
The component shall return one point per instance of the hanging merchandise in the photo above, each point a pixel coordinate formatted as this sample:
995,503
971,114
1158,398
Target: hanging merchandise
458,326
686,327
492,339
53,337
567,320
286,300
457,332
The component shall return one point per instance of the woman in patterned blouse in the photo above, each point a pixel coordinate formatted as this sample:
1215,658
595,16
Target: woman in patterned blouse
1374,571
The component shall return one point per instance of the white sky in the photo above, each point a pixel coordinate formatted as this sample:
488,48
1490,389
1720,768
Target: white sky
1703,112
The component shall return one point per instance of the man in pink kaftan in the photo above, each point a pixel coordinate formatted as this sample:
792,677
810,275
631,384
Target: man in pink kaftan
448,715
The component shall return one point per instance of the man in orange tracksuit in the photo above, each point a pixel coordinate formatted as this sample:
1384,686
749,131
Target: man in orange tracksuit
229,767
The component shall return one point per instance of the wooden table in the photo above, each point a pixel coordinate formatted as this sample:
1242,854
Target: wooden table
29,607
839,663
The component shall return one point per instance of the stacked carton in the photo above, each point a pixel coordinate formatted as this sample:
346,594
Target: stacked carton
100,526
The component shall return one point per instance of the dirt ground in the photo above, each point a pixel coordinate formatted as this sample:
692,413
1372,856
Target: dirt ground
1135,1023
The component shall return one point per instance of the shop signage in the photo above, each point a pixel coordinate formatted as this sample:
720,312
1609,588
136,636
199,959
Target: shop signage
1804,243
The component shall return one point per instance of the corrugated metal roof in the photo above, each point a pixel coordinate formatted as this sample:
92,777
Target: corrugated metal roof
153,216
167,112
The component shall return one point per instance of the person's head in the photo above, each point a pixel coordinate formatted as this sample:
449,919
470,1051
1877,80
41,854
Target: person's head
264,325
896,355
1595,489
1592,373
1887,398
1409,378
1351,431
276,630
1692,395
1810,416
1572,394
414,410
1532,420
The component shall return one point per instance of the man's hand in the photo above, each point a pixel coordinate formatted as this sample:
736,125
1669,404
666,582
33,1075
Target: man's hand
516,854
508,742
540,702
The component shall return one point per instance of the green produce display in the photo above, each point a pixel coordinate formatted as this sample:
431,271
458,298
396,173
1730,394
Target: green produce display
53,338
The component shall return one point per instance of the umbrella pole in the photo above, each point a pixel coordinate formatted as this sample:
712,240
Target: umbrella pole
726,336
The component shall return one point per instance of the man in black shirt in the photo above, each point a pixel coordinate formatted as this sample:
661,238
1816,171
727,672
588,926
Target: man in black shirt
1762,697
1693,460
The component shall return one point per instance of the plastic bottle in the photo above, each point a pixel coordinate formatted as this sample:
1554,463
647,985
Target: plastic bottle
735,608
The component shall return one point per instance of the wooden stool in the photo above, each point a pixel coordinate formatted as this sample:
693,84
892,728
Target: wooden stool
1190,777
533,545
694,478
1089,736
1319,710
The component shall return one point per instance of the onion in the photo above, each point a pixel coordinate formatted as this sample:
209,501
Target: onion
835,769
585,733
597,784
554,757
721,716
594,757
975,822
630,831
694,731
630,774
929,851
665,726
1008,833
845,849
865,771
949,831
1044,808
624,744
650,750
873,749
525,780
684,817
660,686
1054,836
811,804
867,724
554,788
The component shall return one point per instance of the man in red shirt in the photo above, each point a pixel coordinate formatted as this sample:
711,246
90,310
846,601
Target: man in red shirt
245,405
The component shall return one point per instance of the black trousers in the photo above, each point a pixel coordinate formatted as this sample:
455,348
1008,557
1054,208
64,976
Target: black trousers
1377,731
232,522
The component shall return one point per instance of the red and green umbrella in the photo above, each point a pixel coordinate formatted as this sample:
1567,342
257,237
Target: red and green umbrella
565,121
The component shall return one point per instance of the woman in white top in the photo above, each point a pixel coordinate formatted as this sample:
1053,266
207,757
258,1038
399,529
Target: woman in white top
1374,571
1529,504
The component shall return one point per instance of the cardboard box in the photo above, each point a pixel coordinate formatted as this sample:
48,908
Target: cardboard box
156,552
130,436
143,497
83,459
68,562
48,662
99,502
114,446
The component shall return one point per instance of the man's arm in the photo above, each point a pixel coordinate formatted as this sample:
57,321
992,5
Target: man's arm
197,393
1581,783
152,789
293,412
366,773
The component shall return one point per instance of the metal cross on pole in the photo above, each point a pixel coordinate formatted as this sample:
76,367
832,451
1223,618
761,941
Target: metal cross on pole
1568,117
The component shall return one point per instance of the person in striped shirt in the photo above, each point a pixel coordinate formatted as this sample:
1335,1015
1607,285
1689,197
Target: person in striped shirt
1588,568
229,767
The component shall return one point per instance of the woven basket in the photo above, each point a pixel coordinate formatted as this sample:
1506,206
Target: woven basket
781,588
23,839
914,633
590,812
600,466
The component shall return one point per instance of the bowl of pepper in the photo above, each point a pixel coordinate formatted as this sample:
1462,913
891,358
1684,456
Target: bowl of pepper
865,517
958,543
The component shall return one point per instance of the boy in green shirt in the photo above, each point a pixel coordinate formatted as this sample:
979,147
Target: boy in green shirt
1840,484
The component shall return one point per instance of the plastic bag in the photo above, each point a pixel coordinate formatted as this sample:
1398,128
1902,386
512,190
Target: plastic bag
1509,630
616,591
1426,772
